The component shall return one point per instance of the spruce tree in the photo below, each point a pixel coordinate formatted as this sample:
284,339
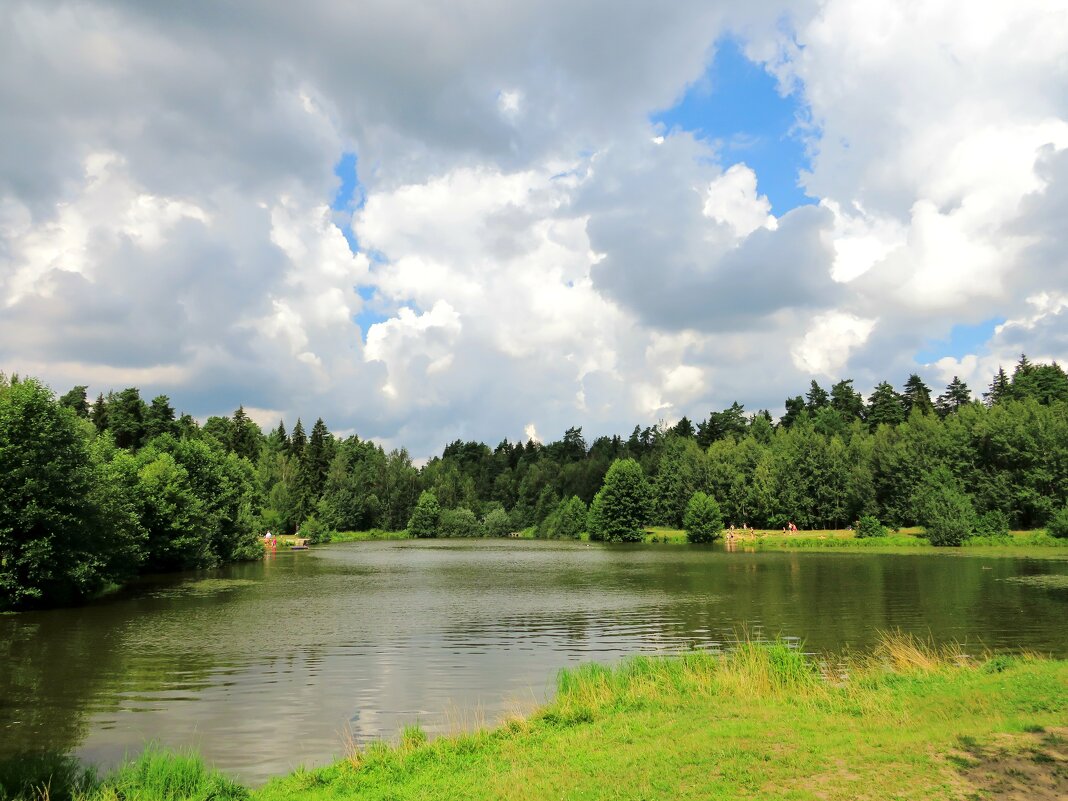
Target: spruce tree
956,395
77,401
99,413
297,441
795,406
916,395
847,401
159,418
1000,389
816,398
884,407
126,418
245,436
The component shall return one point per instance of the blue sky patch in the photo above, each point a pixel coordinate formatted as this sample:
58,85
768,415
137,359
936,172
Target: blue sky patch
349,197
962,340
371,312
737,107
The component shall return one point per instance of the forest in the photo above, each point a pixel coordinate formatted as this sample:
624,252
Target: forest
93,493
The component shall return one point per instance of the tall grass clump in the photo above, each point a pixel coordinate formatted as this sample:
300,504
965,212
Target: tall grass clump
906,653
160,775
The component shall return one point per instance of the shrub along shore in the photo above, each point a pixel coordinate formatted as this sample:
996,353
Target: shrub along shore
761,720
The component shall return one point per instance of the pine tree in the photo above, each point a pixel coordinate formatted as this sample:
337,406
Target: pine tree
159,418
884,407
794,408
847,401
316,462
277,440
1044,383
77,401
99,413
126,418
816,398
297,441
1000,389
956,395
917,395
245,436
684,428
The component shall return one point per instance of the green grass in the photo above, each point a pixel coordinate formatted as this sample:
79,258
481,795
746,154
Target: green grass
907,721
364,536
1029,543
156,775
665,534
761,721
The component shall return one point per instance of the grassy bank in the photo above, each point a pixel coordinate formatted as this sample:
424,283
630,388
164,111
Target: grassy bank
1016,543
762,721
366,536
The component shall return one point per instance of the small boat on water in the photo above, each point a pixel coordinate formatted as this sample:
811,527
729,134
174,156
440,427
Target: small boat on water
299,545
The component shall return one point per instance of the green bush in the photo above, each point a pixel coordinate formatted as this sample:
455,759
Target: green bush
951,520
1058,524
945,510
567,521
992,524
459,522
496,524
622,507
315,531
869,526
425,517
595,519
703,520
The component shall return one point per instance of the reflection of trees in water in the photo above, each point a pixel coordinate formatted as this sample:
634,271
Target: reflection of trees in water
63,665
43,696
831,601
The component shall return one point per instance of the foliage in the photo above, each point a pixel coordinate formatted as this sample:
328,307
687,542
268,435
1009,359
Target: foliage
568,521
315,531
1058,524
425,517
869,526
681,472
703,519
55,527
121,487
496,523
459,523
946,511
624,504
992,524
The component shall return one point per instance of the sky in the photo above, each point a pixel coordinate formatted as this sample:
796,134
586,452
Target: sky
473,220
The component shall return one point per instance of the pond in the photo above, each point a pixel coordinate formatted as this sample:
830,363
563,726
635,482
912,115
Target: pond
266,666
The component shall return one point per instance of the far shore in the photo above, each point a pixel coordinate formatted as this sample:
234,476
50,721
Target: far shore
1034,543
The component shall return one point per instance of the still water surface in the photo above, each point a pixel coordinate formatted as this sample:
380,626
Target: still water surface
266,666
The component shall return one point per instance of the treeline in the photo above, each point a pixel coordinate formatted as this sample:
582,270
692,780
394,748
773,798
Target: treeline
92,493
